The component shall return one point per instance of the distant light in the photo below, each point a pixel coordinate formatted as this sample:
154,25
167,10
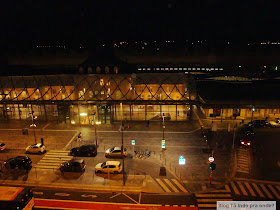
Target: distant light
73,122
83,114
239,66
98,123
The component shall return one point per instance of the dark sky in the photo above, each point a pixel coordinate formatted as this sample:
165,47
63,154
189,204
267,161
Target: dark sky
28,22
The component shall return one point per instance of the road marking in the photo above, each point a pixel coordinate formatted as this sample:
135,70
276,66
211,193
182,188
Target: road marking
266,191
62,194
227,188
179,185
234,188
206,205
171,185
242,188
212,200
258,190
74,137
38,193
212,195
256,180
163,185
45,126
274,192
250,189
87,196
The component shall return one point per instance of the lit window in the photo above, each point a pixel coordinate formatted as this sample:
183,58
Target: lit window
161,68
180,68
193,69
101,82
189,69
96,92
216,69
90,94
198,69
171,69
166,68
102,92
175,69
158,69
108,83
184,68
203,69
167,89
109,90
139,69
221,69
148,69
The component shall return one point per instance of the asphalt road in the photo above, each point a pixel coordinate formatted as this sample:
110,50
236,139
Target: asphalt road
267,157
114,197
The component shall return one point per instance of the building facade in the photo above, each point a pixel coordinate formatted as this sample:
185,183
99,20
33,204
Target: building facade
103,98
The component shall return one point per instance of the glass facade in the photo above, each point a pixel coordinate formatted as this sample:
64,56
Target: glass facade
96,97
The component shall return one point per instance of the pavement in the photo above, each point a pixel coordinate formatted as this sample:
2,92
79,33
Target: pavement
184,180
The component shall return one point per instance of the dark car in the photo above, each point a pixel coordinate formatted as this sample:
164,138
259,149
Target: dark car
247,130
74,165
18,162
85,150
259,124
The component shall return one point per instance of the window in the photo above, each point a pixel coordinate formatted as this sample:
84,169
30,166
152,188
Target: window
96,92
109,90
102,92
167,89
90,94
101,82
46,89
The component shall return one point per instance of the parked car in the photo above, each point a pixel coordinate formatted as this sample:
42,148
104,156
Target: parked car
247,130
74,165
36,148
275,123
2,146
115,152
18,162
85,150
259,124
109,167
246,141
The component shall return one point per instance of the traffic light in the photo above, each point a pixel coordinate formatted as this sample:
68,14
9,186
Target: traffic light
212,166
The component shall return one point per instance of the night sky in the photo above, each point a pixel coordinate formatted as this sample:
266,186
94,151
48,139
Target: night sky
32,22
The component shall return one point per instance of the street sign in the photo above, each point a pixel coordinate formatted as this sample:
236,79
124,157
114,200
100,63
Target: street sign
162,144
211,159
182,160
132,142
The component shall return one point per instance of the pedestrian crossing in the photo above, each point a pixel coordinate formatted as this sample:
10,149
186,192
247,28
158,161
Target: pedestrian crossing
209,200
267,191
53,159
171,185
243,160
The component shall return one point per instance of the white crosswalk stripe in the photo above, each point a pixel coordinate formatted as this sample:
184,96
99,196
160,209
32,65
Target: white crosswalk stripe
243,160
254,189
209,200
171,185
53,159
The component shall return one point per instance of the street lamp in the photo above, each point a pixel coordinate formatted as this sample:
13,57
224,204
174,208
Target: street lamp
33,125
94,123
163,126
122,128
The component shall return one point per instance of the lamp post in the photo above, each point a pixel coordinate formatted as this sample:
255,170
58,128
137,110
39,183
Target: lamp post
94,122
122,128
33,125
163,126
253,109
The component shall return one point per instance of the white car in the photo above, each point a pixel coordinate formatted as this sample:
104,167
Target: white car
36,148
109,167
2,146
275,123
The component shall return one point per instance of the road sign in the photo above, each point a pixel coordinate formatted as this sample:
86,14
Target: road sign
211,159
182,160
132,142
162,144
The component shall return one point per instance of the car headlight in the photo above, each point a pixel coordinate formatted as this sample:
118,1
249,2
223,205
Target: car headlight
242,142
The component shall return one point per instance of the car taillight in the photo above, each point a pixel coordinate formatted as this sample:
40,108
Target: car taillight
249,143
242,142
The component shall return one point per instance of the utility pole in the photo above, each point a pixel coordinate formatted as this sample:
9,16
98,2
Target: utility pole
122,128
33,125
